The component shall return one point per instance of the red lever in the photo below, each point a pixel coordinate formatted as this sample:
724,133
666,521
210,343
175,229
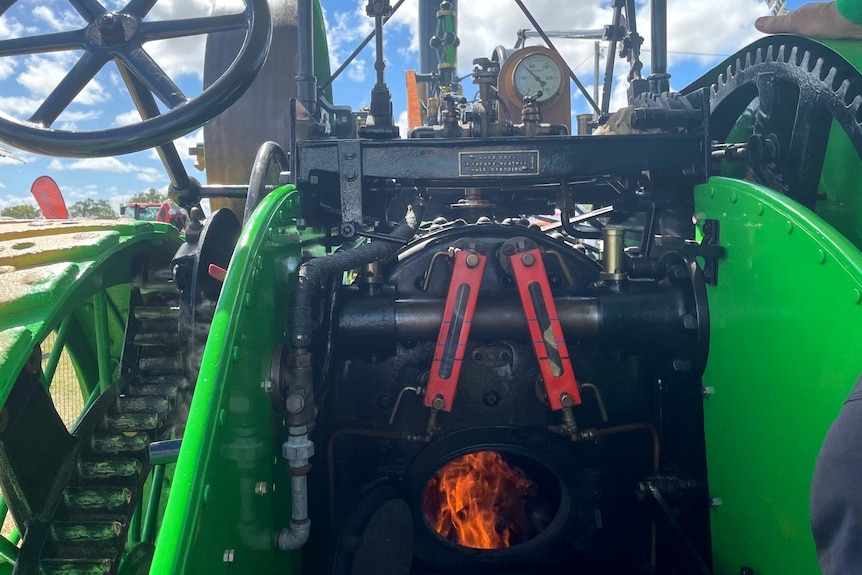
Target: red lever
217,273
545,328
455,329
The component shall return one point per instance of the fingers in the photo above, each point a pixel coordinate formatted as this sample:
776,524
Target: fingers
815,20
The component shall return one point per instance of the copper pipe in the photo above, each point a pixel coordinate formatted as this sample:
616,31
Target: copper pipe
358,431
598,395
590,434
656,459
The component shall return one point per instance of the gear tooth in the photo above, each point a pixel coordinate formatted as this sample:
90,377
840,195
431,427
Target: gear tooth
794,56
770,54
830,78
779,57
841,92
806,61
855,107
817,70
748,62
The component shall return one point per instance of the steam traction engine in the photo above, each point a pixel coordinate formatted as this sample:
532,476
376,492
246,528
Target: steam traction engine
489,347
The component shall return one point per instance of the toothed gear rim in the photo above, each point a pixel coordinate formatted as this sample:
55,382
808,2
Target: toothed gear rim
802,86
87,533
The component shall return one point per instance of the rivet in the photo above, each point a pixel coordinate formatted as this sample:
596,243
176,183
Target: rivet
857,296
789,227
821,256
229,555
759,209
715,502
207,492
733,196
711,192
247,298
472,260
260,488
528,259
706,391
234,353
221,415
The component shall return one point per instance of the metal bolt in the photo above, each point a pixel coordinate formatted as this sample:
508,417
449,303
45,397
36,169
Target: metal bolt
491,398
438,403
472,260
566,400
229,556
261,487
294,403
107,20
715,502
707,390
267,385
528,259
350,173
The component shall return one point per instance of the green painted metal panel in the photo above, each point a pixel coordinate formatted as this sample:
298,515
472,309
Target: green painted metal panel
786,332
217,521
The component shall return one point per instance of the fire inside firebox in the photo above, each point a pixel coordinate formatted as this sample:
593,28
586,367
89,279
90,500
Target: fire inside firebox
484,500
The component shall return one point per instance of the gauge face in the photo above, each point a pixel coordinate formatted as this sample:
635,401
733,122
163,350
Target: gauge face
538,73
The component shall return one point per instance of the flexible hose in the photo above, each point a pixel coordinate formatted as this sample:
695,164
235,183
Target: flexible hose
314,272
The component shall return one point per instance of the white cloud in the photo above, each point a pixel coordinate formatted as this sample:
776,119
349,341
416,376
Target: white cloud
43,73
126,118
356,71
96,164
65,20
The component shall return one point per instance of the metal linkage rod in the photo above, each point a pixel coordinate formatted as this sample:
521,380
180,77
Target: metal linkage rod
358,49
550,44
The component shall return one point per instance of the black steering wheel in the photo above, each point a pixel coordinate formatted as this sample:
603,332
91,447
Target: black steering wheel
119,36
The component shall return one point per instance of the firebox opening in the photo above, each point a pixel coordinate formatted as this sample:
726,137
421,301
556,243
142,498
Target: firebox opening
491,500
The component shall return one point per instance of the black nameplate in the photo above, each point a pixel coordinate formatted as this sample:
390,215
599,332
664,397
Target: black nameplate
521,163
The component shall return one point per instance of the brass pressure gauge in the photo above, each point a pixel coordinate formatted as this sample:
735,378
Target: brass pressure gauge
528,71
537,75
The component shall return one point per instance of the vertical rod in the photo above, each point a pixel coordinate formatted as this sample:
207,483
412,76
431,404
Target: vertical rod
598,54
56,352
427,29
148,534
659,78
103,341
306,83
609,63
380,65
135,523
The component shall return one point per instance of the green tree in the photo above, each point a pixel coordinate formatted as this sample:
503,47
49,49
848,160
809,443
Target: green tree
151,196
21,211
90,208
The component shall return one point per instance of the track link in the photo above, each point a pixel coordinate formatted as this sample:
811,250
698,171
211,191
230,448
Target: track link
88,531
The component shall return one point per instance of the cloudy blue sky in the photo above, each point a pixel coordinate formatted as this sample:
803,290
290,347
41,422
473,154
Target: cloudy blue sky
701,33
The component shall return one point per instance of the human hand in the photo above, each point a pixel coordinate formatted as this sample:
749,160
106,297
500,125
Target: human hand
815,20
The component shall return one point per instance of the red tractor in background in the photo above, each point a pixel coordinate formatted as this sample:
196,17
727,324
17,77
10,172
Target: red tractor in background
155,212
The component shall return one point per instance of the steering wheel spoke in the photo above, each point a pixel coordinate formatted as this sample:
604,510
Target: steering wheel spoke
120,36
69,87
153,77
88,9
159,30
54,42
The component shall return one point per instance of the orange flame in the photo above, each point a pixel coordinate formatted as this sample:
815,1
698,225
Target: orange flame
477,501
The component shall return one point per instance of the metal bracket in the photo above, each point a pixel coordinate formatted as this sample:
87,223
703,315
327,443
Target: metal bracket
711,251
350,170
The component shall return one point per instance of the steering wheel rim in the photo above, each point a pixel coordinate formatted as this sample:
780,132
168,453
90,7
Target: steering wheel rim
119,37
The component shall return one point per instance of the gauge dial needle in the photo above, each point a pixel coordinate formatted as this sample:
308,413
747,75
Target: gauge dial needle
534,75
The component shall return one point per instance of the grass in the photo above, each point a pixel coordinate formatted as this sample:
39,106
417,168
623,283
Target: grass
66,394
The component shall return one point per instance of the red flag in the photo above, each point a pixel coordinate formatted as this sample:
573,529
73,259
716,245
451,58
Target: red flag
50,200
